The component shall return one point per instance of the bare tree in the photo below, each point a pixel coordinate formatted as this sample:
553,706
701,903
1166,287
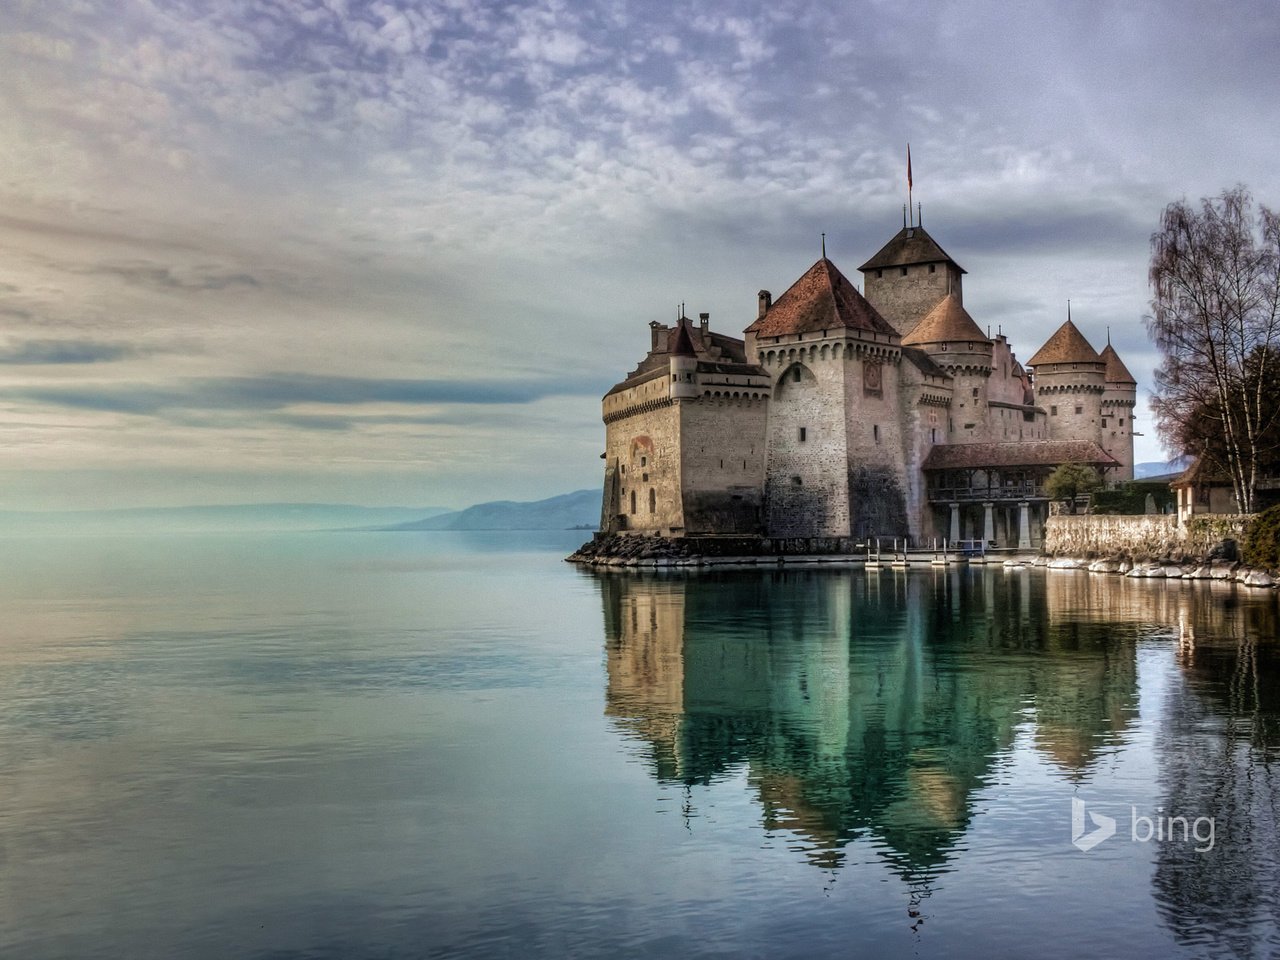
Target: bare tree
1215,315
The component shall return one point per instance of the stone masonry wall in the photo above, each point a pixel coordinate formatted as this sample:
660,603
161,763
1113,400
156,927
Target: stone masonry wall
806,481
644,448
903,300
722,445
1137,536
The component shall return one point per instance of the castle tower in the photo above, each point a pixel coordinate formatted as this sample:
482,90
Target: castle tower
909,277
1070,378
835,464
683,365
954,342
1118,401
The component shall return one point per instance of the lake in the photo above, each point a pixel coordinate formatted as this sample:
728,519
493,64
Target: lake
457,745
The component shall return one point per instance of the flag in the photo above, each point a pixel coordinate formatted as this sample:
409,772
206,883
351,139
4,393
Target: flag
908,166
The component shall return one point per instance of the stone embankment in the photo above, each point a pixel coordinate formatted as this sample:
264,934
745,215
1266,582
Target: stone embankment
1166,569
617,550
1203,548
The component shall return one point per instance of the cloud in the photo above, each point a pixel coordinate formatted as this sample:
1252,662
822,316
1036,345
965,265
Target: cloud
278,391
38,352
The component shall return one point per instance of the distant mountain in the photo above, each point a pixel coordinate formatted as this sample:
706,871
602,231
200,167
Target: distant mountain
1158,468
224,517
569,510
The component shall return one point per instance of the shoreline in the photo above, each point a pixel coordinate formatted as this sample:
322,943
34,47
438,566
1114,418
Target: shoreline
643,552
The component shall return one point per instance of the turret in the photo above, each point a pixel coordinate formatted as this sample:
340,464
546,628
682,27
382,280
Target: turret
1070,378
953,341
1118,401
684,365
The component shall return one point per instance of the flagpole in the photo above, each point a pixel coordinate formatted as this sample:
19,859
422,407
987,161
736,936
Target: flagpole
909,179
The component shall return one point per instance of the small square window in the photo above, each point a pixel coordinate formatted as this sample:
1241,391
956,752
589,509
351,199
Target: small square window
795,481
1079,409
933,267
1053,411
904,271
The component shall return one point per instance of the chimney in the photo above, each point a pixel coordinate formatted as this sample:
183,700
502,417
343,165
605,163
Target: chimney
655,329
704,320
766,301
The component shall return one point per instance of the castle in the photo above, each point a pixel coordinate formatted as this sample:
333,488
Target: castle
843,416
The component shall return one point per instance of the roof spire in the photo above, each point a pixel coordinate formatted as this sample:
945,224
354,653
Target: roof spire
904,216
919,214
1068,311
1108,334
824,246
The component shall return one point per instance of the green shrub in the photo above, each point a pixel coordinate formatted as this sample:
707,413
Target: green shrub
1129,498
1262,539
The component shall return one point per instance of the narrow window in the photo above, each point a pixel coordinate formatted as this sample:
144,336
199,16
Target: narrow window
644,461
653,500
1053,411
633,501
1104,421
802,434
975,391
904,271
879,274
933,267
933,434
875,431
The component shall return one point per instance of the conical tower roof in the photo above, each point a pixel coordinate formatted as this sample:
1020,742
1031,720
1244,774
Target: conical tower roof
822,299
1117,372
1067,345
948,322
911,245
682,343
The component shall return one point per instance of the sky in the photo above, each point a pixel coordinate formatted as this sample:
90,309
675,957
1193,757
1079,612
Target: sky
394,253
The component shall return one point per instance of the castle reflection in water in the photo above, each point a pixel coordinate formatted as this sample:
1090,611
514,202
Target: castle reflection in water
875,705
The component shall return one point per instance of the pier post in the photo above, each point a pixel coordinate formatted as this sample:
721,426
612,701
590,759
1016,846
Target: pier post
1024,526
988,523
955,522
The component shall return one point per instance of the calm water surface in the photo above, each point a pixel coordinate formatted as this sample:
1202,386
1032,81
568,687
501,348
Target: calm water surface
402,745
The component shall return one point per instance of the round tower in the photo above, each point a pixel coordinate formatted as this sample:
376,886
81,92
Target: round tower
1070,378
1119,397
953,341
684,365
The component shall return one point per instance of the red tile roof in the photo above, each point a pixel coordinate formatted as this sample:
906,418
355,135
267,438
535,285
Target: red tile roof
1117,372
1067,345
1019,453
948,322
822,299
910,246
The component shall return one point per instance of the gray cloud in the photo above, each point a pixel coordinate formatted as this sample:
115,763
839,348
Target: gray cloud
274,392
38,352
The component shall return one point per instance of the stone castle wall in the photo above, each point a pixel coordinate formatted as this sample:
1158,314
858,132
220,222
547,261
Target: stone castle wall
806,489
905,294
642,443
722,446
1137,536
